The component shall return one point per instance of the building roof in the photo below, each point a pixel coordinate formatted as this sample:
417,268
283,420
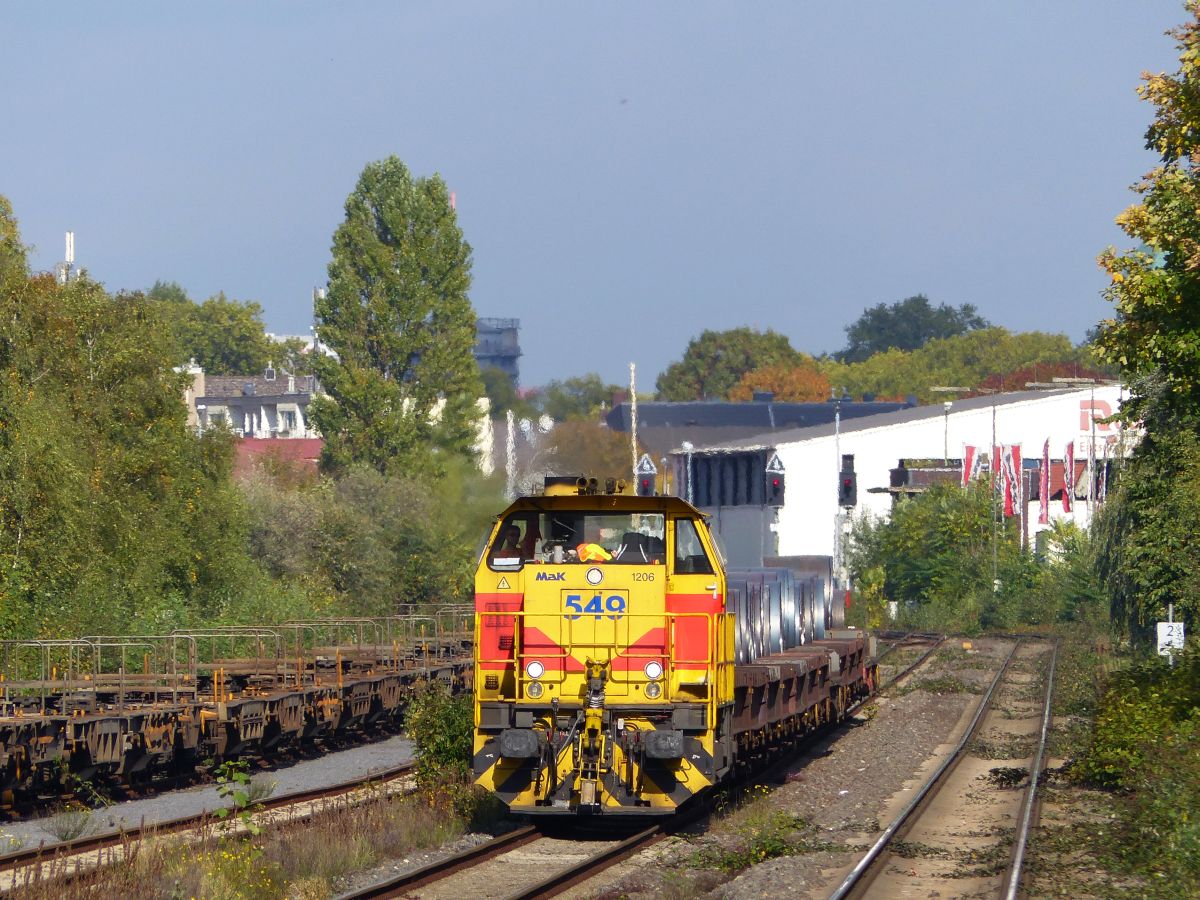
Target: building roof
899,416
662,425
767,415
217,386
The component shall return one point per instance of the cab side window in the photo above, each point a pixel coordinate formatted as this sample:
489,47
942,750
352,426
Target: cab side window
690,558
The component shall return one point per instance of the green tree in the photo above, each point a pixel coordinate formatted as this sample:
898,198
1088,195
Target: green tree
292,354
502,394
227,337
716,360
114,515
1149,557
579,397
906,325
935,553
223,336
373,544
402,391
966,360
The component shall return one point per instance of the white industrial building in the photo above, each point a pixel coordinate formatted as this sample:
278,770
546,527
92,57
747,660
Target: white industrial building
726,479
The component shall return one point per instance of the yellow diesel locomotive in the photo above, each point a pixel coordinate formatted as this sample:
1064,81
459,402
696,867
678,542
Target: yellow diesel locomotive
615,672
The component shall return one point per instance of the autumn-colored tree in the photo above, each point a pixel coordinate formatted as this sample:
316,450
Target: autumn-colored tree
793,384
12,251
1149,552
1156,288
1039,373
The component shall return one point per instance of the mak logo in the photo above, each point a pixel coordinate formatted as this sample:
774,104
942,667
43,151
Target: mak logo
551,576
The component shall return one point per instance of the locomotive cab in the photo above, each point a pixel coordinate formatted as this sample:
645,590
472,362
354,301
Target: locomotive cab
604,655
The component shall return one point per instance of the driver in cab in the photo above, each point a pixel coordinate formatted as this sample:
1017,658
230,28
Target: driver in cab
591,550
509,545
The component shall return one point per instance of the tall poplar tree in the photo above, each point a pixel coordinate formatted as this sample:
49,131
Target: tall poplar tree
403,388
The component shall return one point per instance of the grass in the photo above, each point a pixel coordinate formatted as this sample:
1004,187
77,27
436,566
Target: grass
71,823
305,861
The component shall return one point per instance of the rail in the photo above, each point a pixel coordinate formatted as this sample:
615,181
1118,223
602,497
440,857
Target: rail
861,868
1013,880
57,855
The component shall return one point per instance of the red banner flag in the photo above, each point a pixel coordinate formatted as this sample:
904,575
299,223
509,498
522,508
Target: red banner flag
1008,473
968,463
1069,477
1044,486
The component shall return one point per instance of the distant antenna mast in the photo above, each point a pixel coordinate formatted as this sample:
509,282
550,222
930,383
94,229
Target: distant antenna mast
64,267
633,448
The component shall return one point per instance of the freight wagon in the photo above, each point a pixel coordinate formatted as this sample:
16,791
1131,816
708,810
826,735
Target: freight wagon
621,669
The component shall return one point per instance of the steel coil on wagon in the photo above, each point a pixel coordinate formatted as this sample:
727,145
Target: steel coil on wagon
775,610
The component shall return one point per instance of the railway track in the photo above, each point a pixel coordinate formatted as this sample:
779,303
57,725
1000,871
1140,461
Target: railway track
514,866
73,858
957,822
521,865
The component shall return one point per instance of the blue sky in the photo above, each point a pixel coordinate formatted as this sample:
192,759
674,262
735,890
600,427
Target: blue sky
628,174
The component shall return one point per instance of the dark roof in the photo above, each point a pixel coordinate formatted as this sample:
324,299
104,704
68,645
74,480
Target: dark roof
235,385
878,420
720,414
664,426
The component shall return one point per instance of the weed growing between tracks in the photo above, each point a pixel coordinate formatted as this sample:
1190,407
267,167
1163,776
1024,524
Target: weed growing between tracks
749,832
939,684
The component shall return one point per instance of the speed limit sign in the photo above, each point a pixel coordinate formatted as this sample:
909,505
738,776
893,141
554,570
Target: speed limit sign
1170,637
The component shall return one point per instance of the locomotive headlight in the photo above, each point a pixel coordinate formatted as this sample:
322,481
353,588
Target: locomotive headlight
534,689
653,670
653,690
535,669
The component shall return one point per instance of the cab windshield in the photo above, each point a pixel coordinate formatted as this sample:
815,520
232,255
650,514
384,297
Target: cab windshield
568,536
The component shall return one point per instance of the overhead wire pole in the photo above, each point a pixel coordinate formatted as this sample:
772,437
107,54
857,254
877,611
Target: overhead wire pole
995,514
838,512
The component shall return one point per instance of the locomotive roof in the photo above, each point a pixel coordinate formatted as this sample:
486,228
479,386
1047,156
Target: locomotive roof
663,504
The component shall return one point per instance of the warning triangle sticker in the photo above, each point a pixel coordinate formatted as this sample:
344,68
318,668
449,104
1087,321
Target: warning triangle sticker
503,585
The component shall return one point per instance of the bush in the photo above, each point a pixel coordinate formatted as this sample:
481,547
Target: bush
1144,746
934,557
440,726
